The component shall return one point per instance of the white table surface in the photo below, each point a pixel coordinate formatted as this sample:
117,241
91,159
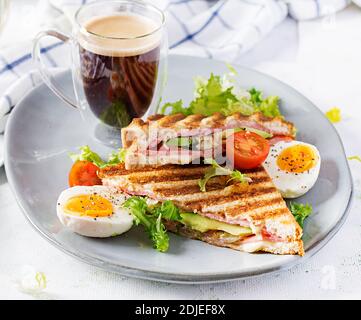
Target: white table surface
321,59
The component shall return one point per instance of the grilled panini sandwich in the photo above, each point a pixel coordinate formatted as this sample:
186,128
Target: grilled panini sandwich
249,218
180,139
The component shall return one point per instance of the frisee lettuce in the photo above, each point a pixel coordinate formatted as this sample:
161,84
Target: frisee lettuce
168,210
150,217
211,97
300,211
159,236
176,107
255,95
222,94
87,154
116,157
269,107
217,170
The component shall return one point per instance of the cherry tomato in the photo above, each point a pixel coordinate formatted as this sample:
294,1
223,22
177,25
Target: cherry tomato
248,151
84,173
279,138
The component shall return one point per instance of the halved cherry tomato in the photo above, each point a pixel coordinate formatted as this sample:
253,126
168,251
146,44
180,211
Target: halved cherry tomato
279,138
248,150
84,173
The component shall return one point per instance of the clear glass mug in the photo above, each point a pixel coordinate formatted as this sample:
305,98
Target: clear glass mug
115,78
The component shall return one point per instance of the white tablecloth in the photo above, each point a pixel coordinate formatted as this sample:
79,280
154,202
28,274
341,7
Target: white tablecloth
324,63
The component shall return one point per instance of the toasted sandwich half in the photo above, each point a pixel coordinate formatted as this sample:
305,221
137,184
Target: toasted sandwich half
249,218
180,139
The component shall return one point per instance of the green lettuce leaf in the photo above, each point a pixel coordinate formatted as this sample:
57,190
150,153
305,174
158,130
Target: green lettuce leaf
220,94
269,107
217,170
159,235
255,96
175,107
211,97
300,211
116,157
87,154
138,207
150,217
243,106
168,210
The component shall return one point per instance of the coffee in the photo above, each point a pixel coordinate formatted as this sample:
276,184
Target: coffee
118,63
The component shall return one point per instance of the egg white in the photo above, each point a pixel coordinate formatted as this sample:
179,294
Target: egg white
290,184
101,227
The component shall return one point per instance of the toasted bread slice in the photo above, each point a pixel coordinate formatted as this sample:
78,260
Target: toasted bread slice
169,126
258,205
144,138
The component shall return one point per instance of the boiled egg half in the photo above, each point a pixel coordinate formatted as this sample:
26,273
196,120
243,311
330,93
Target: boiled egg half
94,211
293,166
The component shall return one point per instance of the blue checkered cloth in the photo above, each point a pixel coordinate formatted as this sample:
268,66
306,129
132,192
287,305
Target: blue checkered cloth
220,29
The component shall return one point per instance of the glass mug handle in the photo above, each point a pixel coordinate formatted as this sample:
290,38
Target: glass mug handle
44,72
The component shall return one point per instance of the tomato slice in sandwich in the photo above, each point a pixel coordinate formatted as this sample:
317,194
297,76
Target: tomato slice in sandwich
248,150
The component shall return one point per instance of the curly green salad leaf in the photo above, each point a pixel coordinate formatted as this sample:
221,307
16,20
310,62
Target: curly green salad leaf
168,210
150,217
116,157
300,211
87,154
211,97
255,95
175,107
217,170
334,115
222,94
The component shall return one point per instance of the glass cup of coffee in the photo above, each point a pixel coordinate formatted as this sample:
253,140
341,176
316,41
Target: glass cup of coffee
119,58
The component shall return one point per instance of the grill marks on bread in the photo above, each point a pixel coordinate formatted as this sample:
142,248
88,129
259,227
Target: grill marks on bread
258,204
257,200
138,129
217,120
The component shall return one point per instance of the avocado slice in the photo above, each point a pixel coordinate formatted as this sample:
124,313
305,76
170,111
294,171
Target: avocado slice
261,133
203,224
183,142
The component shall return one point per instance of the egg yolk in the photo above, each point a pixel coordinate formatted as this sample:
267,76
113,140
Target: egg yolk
91,205
297,159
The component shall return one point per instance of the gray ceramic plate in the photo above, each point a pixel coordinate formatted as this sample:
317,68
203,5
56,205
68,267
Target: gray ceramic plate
1,150
42,130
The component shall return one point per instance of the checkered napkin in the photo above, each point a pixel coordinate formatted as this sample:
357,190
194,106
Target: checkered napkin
220,29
